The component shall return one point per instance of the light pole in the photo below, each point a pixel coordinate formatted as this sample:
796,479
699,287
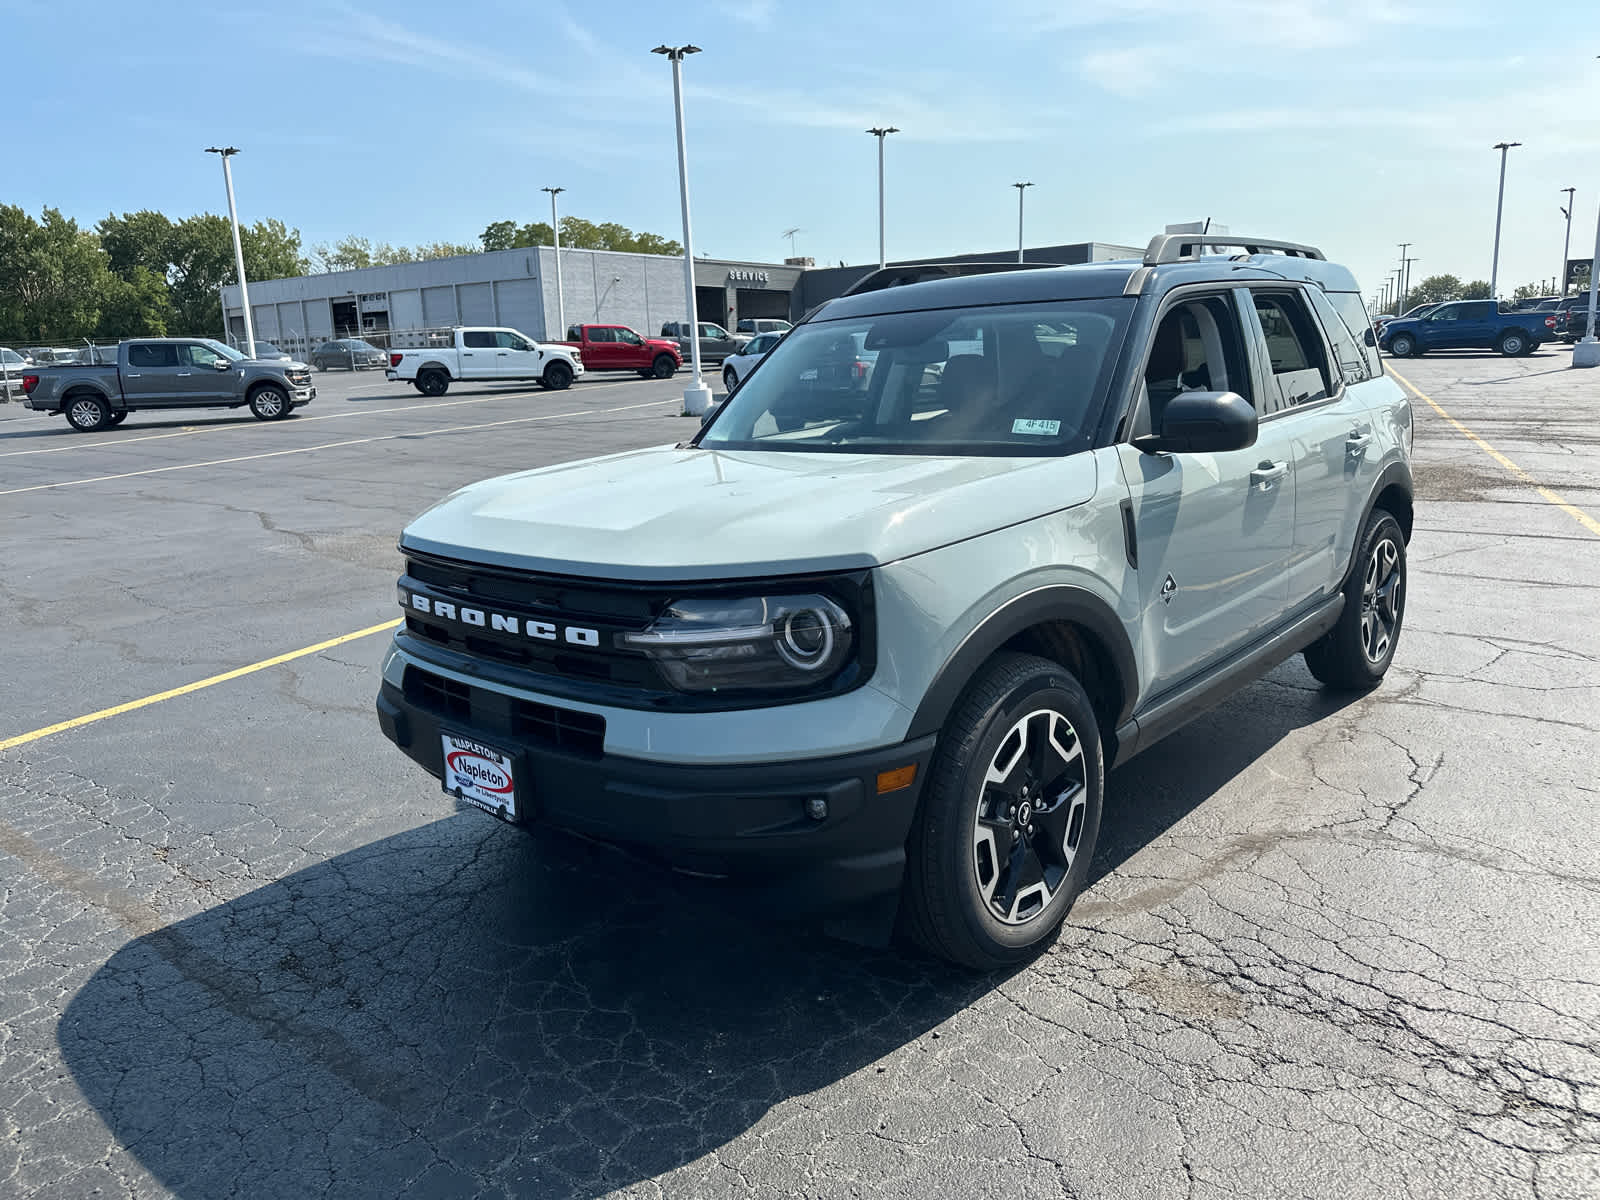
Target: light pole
555,232
1587,352
1499,206
1021,188
697,396
228,152
1405,283
1566,246
1404,246
880,133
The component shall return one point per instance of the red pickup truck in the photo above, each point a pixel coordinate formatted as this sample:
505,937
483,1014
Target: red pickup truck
618,348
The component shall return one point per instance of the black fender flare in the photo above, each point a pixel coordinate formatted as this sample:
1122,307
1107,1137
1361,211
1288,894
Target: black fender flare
1396,474
1055,602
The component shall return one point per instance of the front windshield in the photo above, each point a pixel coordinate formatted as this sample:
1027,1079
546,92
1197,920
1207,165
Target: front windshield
227,352
1006,380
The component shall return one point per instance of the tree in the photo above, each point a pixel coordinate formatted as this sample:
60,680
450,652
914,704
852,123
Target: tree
1436,289
1528,291
1478,289
136,304
577,233
53,277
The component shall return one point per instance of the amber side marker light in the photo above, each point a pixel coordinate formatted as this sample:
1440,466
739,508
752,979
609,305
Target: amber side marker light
897,779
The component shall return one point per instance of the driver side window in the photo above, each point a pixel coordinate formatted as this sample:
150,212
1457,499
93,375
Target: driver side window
193,355
1196,347
629,337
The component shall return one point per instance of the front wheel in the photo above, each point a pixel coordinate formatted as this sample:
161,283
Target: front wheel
269,403
730,379
557,377
88,413
663,367
1512,344
1357,651
1402,345
433,383
1007,826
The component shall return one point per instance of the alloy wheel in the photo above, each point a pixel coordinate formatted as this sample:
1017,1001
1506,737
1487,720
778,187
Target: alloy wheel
1031,809
1381,600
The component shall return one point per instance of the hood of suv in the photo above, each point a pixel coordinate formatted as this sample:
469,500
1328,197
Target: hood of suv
667,513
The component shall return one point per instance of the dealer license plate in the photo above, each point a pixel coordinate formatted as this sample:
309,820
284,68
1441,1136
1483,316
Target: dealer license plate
480,775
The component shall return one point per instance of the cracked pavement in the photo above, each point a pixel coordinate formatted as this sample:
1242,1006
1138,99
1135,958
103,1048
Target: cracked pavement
1335,945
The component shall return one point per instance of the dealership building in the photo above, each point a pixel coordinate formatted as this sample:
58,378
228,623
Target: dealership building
402,305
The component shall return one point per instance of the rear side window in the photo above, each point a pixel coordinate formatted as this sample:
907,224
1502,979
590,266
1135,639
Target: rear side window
1353,311
1350,360
152,354
1294,348
478,339
601,334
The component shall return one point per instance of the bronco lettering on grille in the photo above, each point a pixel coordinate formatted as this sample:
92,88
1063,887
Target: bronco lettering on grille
544,631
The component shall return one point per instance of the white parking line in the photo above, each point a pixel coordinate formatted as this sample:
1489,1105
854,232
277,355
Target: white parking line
334,416
382,437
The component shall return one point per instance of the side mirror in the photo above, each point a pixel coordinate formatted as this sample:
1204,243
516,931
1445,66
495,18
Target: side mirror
1202,423
222,364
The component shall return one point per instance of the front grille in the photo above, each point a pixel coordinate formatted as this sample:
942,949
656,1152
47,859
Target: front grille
493,713
496,613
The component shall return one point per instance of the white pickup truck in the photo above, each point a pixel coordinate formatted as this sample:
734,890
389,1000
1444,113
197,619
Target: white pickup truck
486,354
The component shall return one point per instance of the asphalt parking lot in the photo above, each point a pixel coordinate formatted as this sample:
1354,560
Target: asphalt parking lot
1335,946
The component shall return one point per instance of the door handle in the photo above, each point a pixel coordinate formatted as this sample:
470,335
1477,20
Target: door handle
1358,442
501,353
184,374
132,375
1268,473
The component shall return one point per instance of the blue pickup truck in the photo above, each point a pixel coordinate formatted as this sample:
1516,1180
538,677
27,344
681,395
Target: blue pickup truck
1469,325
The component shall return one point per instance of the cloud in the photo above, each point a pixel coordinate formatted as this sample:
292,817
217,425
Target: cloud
758,14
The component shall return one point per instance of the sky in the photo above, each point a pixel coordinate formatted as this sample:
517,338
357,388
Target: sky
1353,125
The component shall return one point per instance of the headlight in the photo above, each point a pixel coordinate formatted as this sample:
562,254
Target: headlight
711,643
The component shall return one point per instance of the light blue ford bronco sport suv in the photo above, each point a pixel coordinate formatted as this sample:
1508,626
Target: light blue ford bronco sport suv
867,644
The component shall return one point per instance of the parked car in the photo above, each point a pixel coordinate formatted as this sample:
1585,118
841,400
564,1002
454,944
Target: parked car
486,354
871,654
1468,324
618,348
267,352
737,366
755,325
1572,318
716,343
352,354
163,373
11,368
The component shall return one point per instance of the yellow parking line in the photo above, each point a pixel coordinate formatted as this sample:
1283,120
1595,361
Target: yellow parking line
299,420
22,739
1572,510
381,437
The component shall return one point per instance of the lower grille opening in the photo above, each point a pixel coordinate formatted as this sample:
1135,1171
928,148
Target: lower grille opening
441,696
564,728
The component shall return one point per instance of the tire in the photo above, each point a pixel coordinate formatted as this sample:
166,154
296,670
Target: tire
1357,651
1512,343
319,364
557,377
970,894
117,418
88,413
270,403
433,383
663,367
730,379
1402,345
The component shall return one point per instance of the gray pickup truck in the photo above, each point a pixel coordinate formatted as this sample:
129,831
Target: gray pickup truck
158,373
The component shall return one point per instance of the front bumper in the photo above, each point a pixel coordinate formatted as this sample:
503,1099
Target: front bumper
304,395
748,822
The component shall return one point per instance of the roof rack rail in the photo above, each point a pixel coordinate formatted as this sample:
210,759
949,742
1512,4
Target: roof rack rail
888,277
1175,247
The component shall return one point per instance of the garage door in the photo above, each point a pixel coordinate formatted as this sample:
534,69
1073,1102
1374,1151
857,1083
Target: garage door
758,302
439,307
521,306
477,304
